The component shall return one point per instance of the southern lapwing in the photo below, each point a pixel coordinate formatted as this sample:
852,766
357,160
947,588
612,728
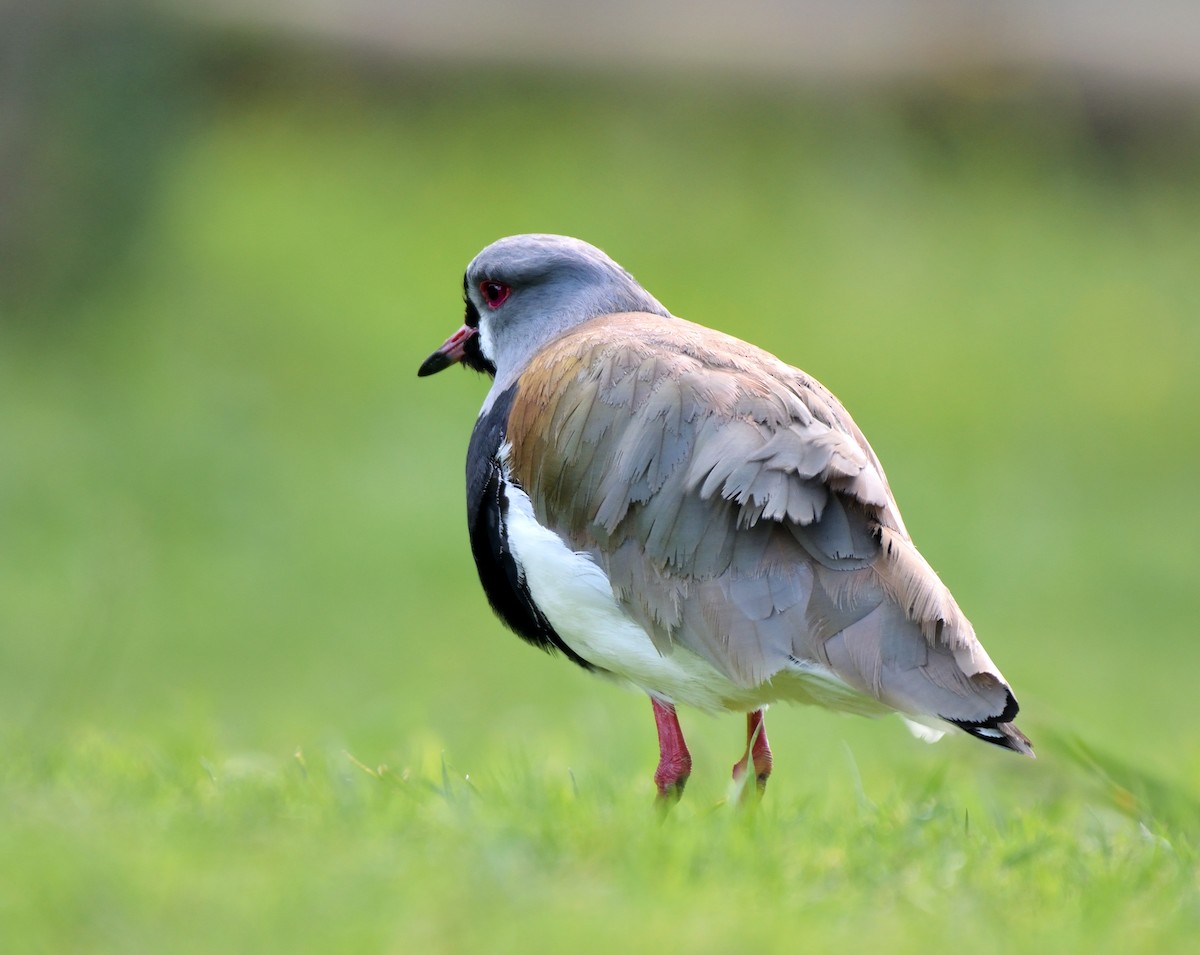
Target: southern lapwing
672,507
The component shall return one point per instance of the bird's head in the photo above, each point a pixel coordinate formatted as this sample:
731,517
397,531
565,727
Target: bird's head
524,291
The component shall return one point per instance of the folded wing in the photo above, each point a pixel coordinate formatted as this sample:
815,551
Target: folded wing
739,512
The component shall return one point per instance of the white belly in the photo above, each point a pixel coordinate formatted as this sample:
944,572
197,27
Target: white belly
574,594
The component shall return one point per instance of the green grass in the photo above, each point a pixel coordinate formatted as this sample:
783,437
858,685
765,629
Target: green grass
253,700
125,847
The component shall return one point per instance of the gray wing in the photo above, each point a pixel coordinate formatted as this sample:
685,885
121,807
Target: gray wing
739,512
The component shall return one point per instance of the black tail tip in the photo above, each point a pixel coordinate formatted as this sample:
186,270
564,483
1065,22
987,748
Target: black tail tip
1005,735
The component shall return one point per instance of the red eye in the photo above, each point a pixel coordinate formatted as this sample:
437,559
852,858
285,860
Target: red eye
494,293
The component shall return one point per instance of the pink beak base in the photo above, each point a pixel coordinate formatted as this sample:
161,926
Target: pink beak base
453,351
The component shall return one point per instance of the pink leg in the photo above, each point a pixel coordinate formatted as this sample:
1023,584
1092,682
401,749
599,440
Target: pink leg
757,749
674,760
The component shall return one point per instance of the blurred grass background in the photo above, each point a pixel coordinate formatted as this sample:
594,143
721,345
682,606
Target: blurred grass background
231,518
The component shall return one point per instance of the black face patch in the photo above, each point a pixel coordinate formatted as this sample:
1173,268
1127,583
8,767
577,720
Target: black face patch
473,357
487,513
472,317
472,354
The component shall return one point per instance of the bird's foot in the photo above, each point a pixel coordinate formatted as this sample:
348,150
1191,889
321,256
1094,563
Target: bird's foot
761,773
671,776
674,760
758,753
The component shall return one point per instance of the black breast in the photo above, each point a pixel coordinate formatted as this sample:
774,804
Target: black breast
500,574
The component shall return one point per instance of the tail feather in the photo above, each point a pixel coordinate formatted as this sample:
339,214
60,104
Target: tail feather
1000,730
999,734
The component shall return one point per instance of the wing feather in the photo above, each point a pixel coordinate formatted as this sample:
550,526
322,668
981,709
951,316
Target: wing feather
739,512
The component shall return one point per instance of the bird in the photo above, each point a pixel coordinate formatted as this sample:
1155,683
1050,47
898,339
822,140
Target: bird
679,510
